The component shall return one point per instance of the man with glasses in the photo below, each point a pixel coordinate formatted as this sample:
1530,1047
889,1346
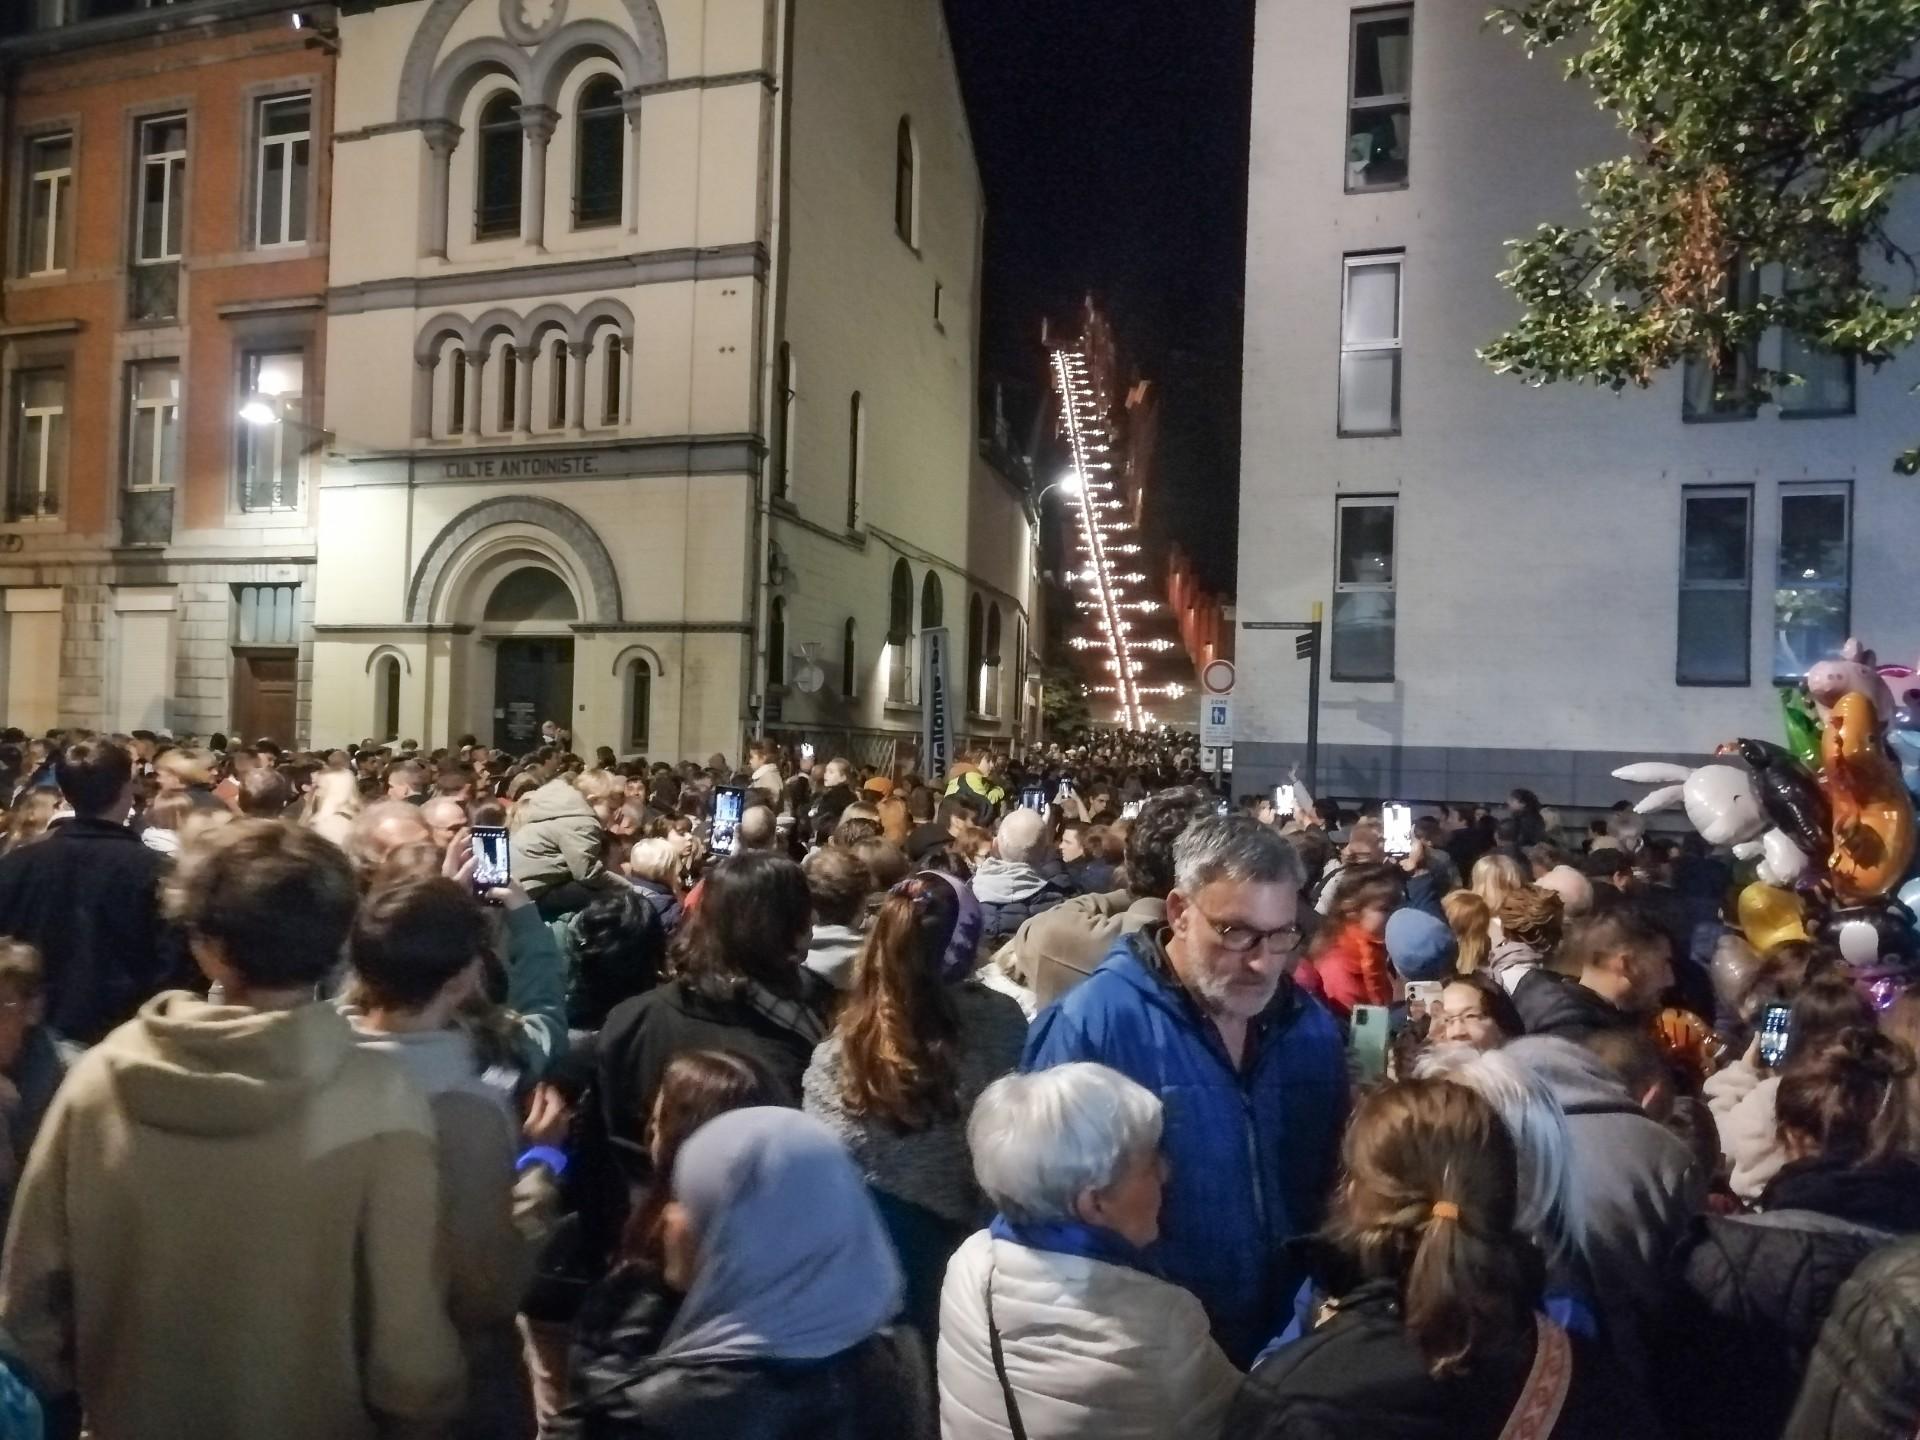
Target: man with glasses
1251,1070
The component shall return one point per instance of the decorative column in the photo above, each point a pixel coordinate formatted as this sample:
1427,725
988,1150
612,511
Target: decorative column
630,173
577,386
536,123
476,394
524,356
441,137
424,368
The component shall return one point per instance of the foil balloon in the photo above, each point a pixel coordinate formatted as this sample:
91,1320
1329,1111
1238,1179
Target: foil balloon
1790,795
1802,726
1879,946
1909,895
1770,916
1731,970
1854,672
1873,815
1903,730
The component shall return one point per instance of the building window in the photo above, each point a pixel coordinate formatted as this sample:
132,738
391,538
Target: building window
49,204
1363,593
285,129
272,455
856,458
1716,583
900,634
776,643
163,178
1826,377
266,615
153,425
386,698
457,392
558,410
990,666
599,147
39,444
976,656
614,376
1719,387
1813,578
849,662
906,185
933,603
786,403
1380,80
500,152
639,705
1370,313
939,304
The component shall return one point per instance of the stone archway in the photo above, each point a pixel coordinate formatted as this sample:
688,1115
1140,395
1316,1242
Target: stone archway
573,534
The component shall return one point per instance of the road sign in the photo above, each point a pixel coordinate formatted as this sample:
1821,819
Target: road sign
1217,677
1216,721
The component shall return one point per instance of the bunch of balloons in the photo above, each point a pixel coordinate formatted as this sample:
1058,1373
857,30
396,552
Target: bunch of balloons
1827,818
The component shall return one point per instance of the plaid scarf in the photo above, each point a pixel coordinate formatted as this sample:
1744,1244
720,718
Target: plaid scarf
796,1015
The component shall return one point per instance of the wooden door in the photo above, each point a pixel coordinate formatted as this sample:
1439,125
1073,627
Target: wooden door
264,686
533,682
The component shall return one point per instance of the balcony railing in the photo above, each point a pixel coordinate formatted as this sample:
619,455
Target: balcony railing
146,517
153,291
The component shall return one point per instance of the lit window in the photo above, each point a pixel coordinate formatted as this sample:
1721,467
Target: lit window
49,204
1716,584
900,634
1370,314
272,455
1363,591
280,180
1813,578
1379,113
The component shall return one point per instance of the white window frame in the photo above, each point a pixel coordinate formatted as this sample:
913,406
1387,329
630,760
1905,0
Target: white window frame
1343,504
263,143
1349,263
173,165
58,185
152,414
39,417
1800,490
1716,492
1376,102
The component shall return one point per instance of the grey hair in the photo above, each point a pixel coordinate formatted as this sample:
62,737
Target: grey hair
1040,1140
1233,847
1023,838
1549,1208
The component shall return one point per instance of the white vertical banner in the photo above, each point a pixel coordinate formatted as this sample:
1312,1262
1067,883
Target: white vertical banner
936,711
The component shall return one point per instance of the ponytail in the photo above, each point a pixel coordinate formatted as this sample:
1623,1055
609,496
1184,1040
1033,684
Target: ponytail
1468,1293
898,1031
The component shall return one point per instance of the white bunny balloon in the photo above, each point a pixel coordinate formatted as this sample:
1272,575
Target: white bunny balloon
1722,803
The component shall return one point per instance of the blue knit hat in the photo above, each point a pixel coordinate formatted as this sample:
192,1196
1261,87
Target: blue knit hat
1420,945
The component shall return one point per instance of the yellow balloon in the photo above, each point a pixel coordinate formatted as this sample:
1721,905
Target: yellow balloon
1769,916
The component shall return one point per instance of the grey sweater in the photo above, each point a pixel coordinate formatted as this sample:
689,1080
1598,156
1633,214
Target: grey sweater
930,1168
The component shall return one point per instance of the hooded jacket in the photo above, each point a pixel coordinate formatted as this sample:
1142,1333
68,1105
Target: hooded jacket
1351,971
1863,1379
1552,1004
223,1221
558,838
1511,961
1252,1148
1060,947
832,951
1638,1183
1011,893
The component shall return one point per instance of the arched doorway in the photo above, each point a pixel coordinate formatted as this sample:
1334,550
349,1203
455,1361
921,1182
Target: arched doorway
533,665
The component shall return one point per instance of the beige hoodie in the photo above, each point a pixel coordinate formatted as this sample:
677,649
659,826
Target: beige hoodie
226,1231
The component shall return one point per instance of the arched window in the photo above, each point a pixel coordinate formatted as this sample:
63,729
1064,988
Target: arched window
561,362
500,153
856,458
776,643
933,608
599,149
508,356
900,634
849,662
386,698
990,665
613,376
457,391
976,654
906,186
785,404
639,704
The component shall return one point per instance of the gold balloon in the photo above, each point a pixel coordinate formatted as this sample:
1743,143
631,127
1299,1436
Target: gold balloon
1770,916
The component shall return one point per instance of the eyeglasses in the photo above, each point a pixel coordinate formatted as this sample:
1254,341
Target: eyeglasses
1242,938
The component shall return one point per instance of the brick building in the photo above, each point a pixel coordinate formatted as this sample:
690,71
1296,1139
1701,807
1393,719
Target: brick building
166,200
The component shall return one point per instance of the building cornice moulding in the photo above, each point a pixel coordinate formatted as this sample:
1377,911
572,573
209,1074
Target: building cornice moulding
596,275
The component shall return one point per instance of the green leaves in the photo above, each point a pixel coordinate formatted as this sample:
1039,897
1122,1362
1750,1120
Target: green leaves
1767,138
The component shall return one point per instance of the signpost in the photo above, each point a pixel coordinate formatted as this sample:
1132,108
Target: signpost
1306,646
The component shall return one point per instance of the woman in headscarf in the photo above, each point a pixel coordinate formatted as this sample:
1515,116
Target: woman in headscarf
791,1289
915,1044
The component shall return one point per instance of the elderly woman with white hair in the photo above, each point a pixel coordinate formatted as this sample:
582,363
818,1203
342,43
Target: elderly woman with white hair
1053,1324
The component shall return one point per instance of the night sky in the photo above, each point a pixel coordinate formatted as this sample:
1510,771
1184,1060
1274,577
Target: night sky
1112,139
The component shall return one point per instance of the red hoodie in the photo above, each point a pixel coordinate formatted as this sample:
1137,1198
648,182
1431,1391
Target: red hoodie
1351,971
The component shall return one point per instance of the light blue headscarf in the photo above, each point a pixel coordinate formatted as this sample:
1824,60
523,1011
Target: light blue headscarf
793,1263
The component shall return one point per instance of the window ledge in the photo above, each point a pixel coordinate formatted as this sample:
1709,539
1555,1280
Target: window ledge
1846,414
1686,419
1382,189
1392,434
902,707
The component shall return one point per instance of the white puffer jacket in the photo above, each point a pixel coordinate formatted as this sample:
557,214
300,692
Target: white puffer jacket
1094,1351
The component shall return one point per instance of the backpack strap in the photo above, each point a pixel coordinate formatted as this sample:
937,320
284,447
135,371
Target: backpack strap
1000,1368
1545,1394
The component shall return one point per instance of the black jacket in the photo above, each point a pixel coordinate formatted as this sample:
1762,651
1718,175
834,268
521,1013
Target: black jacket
1755,1289
878,1390
1359,1376
87,895
1863,1379
1551,1004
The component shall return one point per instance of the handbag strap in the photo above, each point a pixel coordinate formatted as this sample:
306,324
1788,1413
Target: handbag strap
1544,1395
1000,1368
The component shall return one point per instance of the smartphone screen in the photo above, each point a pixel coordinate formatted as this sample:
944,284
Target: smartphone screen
1367,1043
806,753
492,858
1131,809
1034,797
729,804
1397,821
1773,1034
1283,800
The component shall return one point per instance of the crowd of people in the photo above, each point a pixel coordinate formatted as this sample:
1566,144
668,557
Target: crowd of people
1058,1098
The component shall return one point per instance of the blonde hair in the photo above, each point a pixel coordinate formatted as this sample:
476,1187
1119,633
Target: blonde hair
652,860
1470,919
1495,877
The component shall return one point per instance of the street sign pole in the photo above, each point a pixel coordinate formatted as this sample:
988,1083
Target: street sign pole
1313,706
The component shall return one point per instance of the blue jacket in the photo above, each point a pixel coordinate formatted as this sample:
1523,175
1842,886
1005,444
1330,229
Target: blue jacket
1252,1154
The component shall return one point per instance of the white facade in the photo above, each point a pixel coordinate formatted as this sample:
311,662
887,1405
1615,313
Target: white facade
570,470
1539,537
